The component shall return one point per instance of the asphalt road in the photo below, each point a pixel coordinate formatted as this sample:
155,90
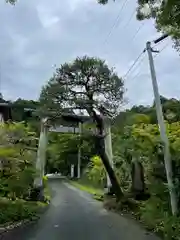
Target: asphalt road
74,215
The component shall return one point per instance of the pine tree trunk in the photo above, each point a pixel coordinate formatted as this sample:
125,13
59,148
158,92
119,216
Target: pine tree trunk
112,176
102,153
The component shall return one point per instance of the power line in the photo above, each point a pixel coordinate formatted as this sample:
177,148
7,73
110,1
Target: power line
134,63
165,46
116,21
138,30
138,73
162,49
131,16
141,61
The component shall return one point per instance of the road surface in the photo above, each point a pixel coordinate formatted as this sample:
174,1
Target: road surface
74,215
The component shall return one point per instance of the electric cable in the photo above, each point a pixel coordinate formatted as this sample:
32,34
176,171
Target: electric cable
116,21
134,63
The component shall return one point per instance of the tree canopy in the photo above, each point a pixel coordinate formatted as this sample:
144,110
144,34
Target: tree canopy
86,83
11,1
166,14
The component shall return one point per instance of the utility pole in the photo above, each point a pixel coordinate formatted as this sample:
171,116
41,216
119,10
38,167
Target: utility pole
162,127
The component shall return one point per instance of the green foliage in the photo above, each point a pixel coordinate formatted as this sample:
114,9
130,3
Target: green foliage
19,114
63,151
95,171
139,118
171,110
47,194
17,154
18,210
21,110
166,13
85,83
17,172
11,1
159,220
140,141
97,192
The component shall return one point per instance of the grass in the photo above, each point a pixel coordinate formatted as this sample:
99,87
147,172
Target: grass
96,192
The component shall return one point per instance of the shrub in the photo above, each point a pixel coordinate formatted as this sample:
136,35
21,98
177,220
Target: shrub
12,211
142,141
95,171
161,221
47,194
17,155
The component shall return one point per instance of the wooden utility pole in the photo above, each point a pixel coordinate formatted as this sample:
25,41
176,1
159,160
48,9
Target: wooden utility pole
162,127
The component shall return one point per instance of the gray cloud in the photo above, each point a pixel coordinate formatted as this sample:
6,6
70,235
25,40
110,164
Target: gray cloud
35,35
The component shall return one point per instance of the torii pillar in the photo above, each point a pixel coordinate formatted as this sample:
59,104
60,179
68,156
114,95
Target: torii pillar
5,112
41,159
108,147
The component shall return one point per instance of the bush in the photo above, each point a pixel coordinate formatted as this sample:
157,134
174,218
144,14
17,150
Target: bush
142,142
17,155
95,172
17,172
45,181
161,221
13,211
47,195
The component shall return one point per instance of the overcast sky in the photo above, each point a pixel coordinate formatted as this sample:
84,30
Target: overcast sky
35,35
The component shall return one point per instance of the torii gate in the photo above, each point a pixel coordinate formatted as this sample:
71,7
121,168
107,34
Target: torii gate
76,127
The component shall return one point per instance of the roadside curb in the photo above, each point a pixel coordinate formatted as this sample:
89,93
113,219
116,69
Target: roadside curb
11,226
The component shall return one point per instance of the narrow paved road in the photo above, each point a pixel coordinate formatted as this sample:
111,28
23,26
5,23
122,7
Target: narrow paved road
74,215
